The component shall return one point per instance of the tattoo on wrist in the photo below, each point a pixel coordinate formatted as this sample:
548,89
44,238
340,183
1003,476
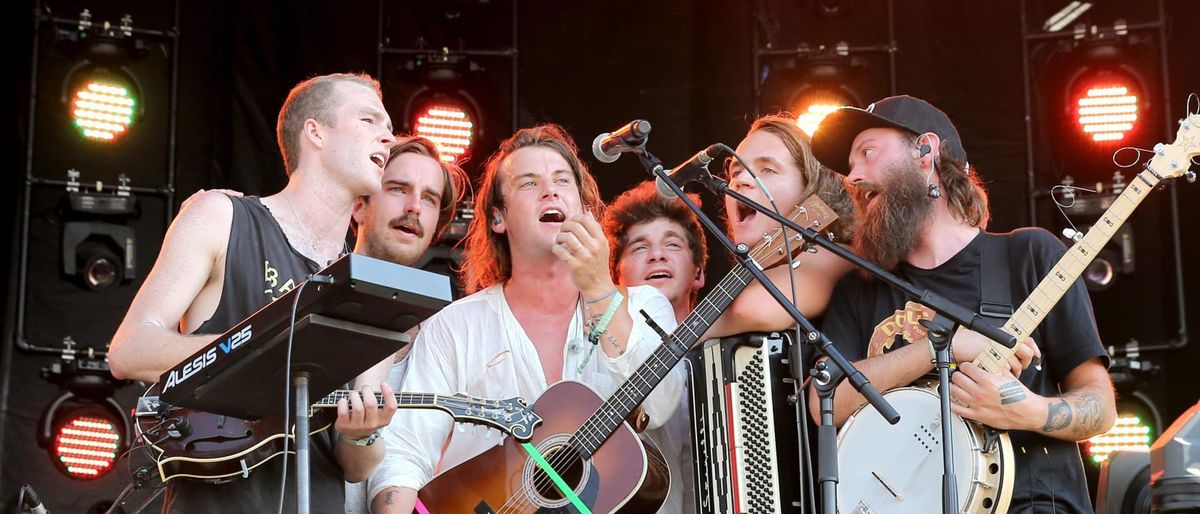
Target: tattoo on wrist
615,344
1058,417
1012,392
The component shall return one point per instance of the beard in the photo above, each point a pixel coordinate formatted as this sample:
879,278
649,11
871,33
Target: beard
889,227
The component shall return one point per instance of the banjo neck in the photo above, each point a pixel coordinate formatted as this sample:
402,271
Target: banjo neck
1062,276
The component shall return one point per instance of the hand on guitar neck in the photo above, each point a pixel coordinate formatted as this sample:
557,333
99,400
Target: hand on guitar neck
969,344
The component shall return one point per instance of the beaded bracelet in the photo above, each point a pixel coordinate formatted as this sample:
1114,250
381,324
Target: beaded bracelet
594,337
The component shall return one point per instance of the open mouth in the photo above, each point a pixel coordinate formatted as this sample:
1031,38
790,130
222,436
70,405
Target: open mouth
658,275
868,196
745,213
552,216
379,159
407,229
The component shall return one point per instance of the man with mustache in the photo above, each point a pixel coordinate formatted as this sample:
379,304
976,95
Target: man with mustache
922,214
397,224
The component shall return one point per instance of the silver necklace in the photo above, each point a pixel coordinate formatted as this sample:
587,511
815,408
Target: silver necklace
312,242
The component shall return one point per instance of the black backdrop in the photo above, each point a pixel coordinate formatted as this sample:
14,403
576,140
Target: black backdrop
590,66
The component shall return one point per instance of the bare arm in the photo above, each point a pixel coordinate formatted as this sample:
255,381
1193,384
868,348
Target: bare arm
149,340
755,311
888,371
1087,406
394,500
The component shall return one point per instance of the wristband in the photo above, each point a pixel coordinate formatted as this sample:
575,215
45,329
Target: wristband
594,337
365,441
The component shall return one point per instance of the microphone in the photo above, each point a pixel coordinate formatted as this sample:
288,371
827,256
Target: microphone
30,501
607,147
690,170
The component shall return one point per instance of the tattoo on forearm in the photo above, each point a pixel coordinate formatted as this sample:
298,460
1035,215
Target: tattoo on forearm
387,500
1089,413
1012,392
1059,416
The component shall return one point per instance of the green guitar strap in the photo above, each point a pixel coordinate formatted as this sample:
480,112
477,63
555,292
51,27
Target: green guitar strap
554,476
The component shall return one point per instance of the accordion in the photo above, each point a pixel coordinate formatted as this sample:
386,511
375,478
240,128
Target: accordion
744,428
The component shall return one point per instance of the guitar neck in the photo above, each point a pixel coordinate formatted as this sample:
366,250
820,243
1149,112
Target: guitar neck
1063,275
605,420
407,400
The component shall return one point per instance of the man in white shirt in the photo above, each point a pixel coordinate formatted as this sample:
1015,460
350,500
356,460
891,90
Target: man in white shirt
537,265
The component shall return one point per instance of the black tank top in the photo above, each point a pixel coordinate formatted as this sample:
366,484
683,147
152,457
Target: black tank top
260,266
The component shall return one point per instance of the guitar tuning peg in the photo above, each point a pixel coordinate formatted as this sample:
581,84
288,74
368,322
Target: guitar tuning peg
1190,176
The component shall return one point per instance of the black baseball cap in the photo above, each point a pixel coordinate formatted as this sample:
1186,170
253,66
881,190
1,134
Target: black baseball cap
832,140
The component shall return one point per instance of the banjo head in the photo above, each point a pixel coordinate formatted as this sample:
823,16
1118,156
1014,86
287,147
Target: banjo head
898,468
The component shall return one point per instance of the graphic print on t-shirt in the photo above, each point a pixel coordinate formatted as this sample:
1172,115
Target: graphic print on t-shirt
900,329
271,280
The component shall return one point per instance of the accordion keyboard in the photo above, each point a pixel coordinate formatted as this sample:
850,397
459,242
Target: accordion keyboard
744,429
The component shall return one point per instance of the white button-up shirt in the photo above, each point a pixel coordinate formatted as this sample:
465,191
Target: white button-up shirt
476,346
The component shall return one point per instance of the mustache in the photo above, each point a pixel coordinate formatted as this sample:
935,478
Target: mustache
409,221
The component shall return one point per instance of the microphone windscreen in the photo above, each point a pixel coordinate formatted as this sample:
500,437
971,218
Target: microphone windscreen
598,152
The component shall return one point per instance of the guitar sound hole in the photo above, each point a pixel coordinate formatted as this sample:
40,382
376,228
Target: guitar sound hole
568,465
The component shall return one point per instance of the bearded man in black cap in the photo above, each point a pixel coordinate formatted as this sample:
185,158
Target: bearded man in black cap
922,214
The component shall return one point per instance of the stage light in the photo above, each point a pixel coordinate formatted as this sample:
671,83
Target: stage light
1106,105
823,89
449,125
84,430
812,106
102,109
442,110
97,247
85,446
1130,433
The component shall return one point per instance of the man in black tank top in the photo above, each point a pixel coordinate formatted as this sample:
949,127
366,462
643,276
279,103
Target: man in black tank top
223,258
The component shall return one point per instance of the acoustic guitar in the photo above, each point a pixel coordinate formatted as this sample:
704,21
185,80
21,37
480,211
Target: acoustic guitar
585,439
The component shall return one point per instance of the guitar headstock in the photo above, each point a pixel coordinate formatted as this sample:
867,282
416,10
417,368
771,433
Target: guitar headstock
1173,160
812,213
511,416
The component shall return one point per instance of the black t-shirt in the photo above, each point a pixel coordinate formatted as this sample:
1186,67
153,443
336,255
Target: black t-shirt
1049,471
260,266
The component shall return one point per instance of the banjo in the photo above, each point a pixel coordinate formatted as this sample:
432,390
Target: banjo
890,468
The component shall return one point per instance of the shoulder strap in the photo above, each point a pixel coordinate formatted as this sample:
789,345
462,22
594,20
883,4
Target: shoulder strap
995,289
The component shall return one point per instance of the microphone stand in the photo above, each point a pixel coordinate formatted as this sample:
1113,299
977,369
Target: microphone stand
939,335
810,333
